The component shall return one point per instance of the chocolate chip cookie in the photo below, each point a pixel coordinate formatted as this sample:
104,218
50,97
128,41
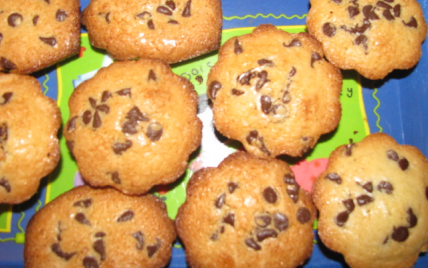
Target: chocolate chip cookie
171,30
133,125
373,203
274,92
247,212
37,34
29,124
88,228
373,37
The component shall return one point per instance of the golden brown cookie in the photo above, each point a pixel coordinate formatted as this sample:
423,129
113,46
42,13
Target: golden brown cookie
247,212
88,228
29,124
373,37
274,92
373,203
37,34
171,30
133,125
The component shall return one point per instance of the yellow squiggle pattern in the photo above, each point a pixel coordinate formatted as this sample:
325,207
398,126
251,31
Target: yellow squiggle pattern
375,110
44,84
265,16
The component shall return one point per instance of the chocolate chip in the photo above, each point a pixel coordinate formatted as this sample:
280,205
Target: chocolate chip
214,87
144,15
337,1
97,120
388,15
105,96
400,234
280,221
294,43
403,163
152,76
126,216
199,78
342,218
47,1
349,204
140,240
361,39
263,220
152,249
262,79
334,177
100,248
391,154
126,92
90,262
303,215
35,20
72,124
103,108
266,62
250,242
237,47
6,98
151,25
214,237
348,149
85,203
100,234
51,41
286,97
397,10
173,22
107,17
61,15
266,104
56,248
154,131
81,218
15,19
329,29
368,186
7,64
270,195
87,117
314,58
364,199
384,5
187,9
290,179
245,78
385,187
252,136
219,202
115,177
237,92
292,72
170,4
230,219
353,11
164,10
263,234
121,147
411,218
369,12
5,184
426,192
135,114
3,132
232,187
